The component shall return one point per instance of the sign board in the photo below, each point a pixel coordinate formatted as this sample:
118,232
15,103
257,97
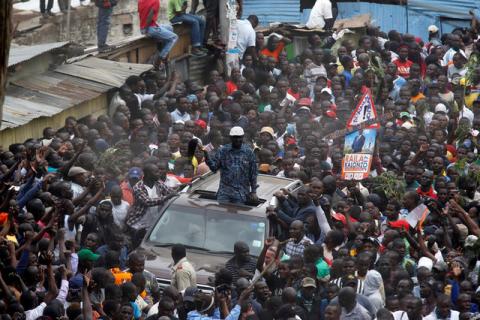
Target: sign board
365,111
417,215
358,151
360,144
356,166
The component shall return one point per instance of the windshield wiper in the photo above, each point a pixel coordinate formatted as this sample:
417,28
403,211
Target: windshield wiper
162,245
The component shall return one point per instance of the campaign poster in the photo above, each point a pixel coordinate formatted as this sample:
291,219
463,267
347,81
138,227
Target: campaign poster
358,151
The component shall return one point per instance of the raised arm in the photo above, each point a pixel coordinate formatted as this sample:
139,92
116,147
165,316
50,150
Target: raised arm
213,162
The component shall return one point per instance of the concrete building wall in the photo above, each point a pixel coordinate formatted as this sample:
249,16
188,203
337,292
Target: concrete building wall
83,25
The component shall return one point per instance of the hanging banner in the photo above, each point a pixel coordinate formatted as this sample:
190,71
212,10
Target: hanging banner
358,151
365,111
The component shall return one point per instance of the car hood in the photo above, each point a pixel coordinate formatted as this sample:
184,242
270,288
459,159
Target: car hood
159,262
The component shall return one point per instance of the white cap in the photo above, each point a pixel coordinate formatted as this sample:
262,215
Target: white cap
327,90
425,262
237,132
432,29
440,108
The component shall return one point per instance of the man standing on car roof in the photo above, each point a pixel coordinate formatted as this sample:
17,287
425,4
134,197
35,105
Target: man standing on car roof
238,170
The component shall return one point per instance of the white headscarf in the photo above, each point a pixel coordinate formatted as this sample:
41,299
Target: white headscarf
373,282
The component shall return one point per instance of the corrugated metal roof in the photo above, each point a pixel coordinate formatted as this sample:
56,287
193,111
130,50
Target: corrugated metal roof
104,71
25,53
414,18
387,17
269,11
456,9
51,92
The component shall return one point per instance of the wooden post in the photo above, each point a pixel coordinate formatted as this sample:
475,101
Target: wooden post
6,11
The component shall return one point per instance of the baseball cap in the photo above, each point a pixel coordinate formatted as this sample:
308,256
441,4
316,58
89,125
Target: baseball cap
405,114
189,294
327,90
339,217
308,282
331,114
441,108
304,108
135,172
87,254
304,102
75,282
471,240
432,28
237,132
425,262
202,124
76,171
268,130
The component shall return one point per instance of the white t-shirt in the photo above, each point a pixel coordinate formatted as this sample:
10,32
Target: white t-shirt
466,113
246,36
77,189
400,315
454,315
120,213
321,10
143,97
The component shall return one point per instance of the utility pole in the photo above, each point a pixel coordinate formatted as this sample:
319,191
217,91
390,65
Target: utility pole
6,30
232,53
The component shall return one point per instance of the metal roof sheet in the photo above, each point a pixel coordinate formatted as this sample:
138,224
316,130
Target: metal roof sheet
49,93
456,9
24,53
269,11
104,71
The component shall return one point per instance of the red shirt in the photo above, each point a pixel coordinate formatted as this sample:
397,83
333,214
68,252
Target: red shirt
293,94
275,53
430,193
144,7
231,87
403,68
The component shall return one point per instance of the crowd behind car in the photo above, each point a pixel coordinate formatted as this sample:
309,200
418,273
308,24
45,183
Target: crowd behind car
76,202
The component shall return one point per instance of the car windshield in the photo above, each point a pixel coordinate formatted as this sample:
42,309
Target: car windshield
209,230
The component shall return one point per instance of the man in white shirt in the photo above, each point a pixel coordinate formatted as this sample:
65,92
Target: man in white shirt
180,113
78,177
119,207
455,43
246,35
321,16
443,310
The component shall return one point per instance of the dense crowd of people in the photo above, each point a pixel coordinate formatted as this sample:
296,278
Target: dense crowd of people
76,202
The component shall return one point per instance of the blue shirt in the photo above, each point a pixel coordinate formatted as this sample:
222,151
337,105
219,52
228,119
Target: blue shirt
195,315
348,76
238,172
102,250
